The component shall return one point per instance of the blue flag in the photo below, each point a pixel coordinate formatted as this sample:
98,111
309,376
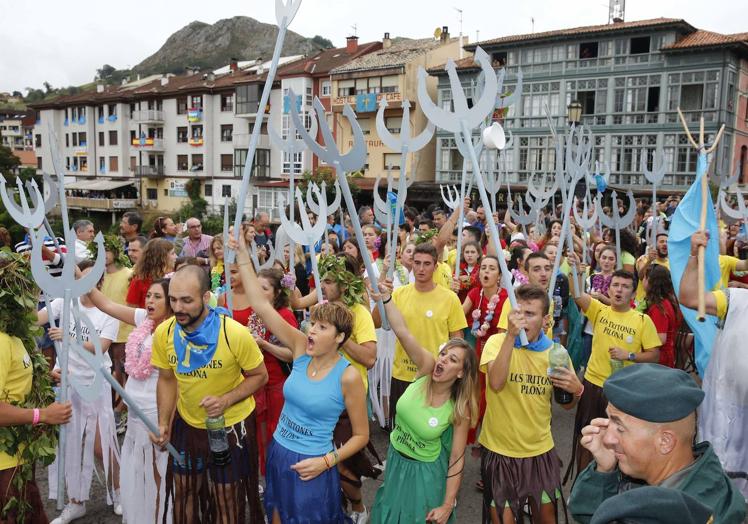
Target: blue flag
392,200
685,222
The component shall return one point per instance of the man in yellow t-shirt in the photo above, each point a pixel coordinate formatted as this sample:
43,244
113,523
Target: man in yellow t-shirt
433,315
728,265
209,366
539,268
621,337
518,460
656,255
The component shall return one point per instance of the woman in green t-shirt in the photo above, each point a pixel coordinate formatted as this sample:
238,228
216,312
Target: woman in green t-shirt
427,443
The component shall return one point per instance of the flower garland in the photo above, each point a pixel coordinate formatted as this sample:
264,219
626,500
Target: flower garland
402,273
479,329
256,326
519,277
137,353
352,287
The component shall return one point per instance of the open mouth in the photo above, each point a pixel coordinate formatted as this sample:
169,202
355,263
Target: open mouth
149,309
438,370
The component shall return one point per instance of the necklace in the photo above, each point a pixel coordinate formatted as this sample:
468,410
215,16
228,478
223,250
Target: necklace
316,370
479,329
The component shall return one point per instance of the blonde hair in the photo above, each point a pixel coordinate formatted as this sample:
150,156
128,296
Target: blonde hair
465,390
217,241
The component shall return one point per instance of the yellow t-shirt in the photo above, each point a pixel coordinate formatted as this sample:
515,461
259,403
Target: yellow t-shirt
517,423
219,377
721,298
15,381
727,265
443,275
363,331
430,317
632,331
640,293
452,258
115,287
506,308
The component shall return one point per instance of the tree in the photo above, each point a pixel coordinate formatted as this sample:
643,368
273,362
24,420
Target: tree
104,72
9,164
47,87
322,42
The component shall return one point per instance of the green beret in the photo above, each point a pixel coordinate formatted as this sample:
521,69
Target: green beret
653,392
652,504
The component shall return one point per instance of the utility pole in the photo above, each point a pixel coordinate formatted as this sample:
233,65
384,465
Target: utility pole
460,13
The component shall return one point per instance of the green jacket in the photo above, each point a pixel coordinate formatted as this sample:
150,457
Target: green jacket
706,481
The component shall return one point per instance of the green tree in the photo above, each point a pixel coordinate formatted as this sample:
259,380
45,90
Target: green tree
8,166
322,42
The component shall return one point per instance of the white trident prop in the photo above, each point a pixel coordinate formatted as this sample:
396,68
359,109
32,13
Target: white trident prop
306,234
462,120
616,221
655,177
586,220
284,14
343,163
331,208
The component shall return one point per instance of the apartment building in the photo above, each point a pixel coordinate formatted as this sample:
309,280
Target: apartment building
16,130
630,78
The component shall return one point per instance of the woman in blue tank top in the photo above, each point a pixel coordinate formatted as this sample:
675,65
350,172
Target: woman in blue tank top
302,482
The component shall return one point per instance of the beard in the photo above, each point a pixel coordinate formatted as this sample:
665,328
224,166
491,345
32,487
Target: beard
191,321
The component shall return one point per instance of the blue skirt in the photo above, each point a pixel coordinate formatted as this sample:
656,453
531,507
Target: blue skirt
316,501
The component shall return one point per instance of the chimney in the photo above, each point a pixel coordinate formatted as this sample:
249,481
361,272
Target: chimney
234,65
444,38
99,88
210,77
164,79
351,44
386,42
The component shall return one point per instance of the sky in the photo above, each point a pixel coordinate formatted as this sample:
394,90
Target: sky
65,42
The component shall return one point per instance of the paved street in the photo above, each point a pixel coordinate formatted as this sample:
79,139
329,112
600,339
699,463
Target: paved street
469,505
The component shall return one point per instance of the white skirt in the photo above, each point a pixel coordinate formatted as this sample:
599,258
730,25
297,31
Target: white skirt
79,449
142,499
380,376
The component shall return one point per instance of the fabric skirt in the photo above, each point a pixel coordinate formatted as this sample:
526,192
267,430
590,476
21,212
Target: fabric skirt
381,374
411,488
515,481
592,405
315,501
268,406
30,495
79,449
397,388
359,464
216,491
143,475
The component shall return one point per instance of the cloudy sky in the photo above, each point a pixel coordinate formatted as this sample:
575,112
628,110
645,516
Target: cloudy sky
65,42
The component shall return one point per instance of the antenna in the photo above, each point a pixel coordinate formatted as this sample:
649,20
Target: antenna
616,11
460,13
355,29
532,21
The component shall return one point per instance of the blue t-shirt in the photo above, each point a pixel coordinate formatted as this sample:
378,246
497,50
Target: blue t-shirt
311,409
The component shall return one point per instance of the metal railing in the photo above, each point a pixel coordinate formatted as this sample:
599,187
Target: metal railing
148,115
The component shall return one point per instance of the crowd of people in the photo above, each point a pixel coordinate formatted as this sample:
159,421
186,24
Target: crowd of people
269,395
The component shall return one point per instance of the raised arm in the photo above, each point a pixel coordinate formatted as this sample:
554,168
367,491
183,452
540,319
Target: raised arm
583,300
122,313
689,282
292,338
422,358
445,233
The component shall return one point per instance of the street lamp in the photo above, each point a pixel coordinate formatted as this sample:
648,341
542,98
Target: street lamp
574,112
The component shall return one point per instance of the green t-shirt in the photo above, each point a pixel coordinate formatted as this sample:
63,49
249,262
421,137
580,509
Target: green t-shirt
419,427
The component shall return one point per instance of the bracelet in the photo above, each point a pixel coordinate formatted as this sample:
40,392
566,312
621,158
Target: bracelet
387,301
336,457
327,462
581,391
36,417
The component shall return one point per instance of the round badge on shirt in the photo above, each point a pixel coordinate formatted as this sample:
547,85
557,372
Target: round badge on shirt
429,313
629,339
433,422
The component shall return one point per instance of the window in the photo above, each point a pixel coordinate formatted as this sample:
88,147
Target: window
240,158
112,138
82,139
588,50
102,164
83,163
261,167
197,132
37,140
132,110
100,114
587,99
390,84
653,99
133,163
640,45
346,87
182,105
75,139
39,162
691,97
182,163
326,88
226,131
208,190
113,164
112,110
365,124
181,135
67,139
225,190
101,138
196,102
227,102
292,165
392,161
151,193
197,162
536,96
227,162
499,57
627,153
247,99
392,123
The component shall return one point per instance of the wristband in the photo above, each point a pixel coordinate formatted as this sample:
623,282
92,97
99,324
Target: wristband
336,457
581,392
327,462
36,417
387,301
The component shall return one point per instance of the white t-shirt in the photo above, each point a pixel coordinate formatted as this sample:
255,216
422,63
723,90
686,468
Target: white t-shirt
143,392
106,327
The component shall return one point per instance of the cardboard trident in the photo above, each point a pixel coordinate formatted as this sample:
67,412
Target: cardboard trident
461,121
331,208
741,213
616,221
655,177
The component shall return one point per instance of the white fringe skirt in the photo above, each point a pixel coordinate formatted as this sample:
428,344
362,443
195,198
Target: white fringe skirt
79,449
380,375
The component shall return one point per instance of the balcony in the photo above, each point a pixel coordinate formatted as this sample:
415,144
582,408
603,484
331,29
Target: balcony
80,150
150,171
367,102
101,204
194,114
147,116
249,108
241,141
150,143
196,141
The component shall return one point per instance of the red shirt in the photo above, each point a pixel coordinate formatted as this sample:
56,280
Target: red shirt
137,291
477,301
665,321
465,287
272,364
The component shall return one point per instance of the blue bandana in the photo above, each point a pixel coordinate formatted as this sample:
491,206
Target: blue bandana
541,344
196,349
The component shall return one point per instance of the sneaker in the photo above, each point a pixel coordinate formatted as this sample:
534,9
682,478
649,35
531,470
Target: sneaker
121,420
70,512
359,517
117,504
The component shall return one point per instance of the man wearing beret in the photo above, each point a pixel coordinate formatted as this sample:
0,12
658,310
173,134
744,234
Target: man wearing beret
723,417
647,440
653,505
621,337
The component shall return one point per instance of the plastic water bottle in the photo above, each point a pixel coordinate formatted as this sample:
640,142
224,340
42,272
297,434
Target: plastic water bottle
615,365
218,440
559,358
